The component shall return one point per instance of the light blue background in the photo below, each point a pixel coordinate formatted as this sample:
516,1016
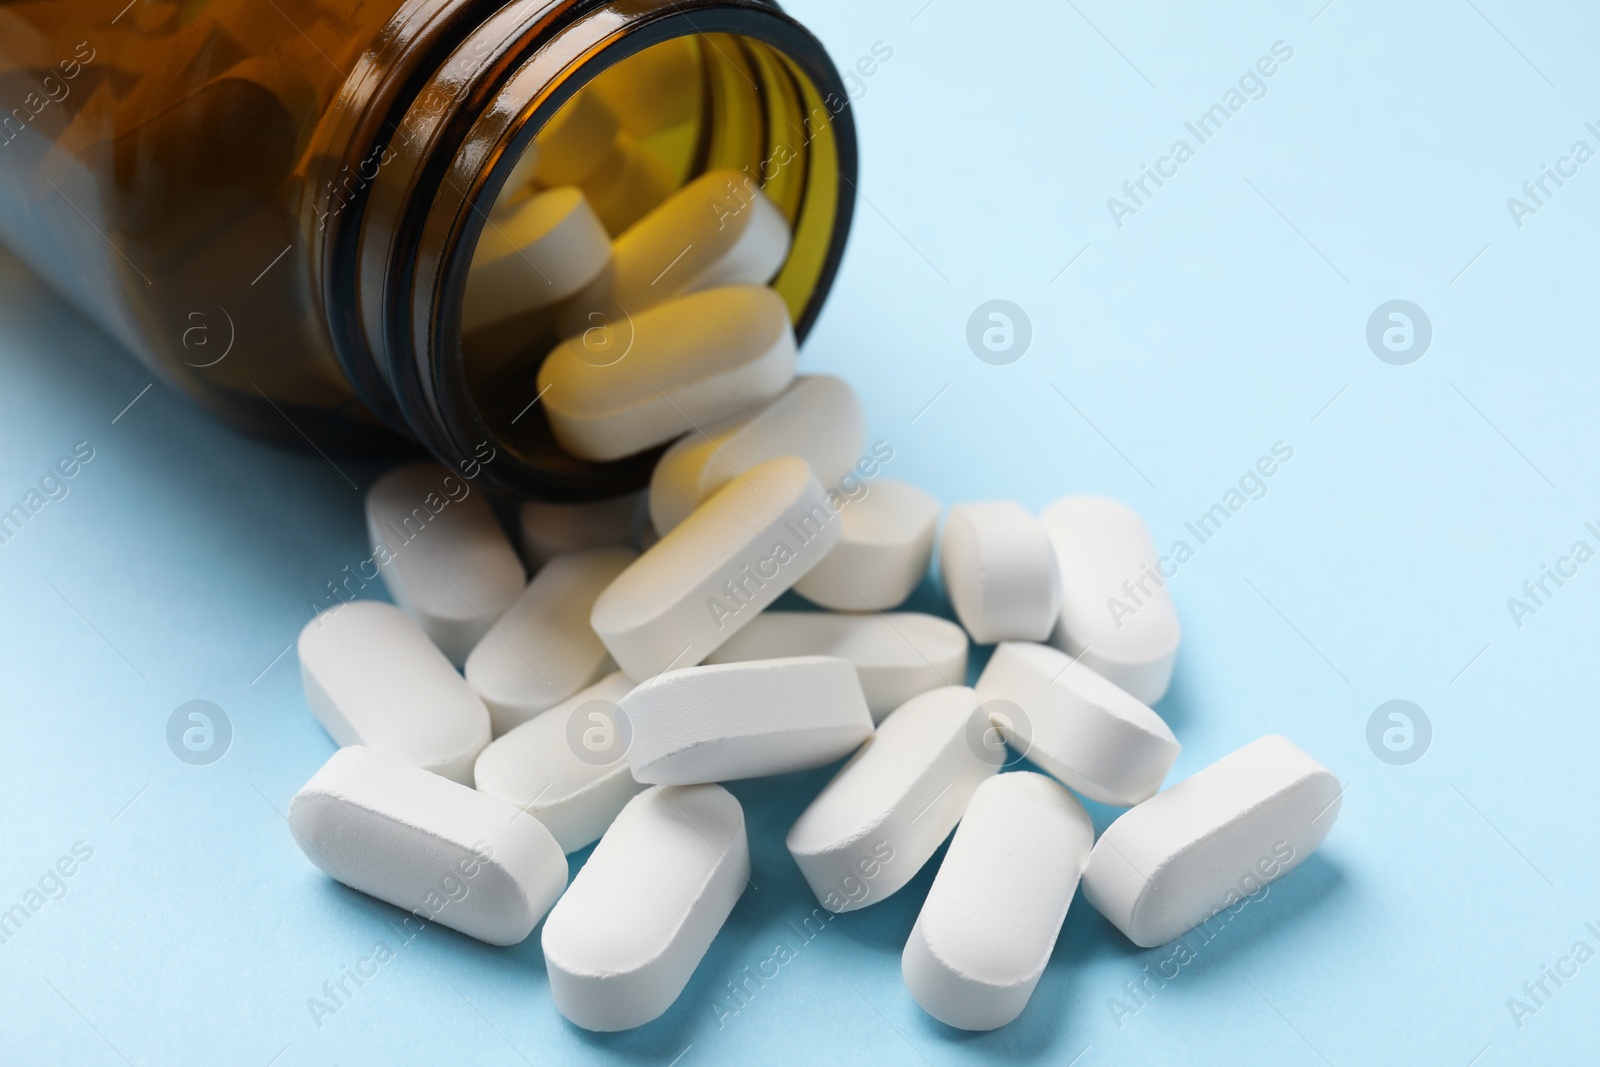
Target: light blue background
1227,314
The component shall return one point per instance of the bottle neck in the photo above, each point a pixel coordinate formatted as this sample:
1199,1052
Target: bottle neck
451,101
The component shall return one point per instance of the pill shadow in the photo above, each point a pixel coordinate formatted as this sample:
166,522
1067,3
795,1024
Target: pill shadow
929,596
1180,699
1268,924
300,514
1047,1030
1259,924
405,931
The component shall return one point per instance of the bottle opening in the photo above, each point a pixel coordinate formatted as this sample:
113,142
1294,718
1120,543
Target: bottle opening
720,143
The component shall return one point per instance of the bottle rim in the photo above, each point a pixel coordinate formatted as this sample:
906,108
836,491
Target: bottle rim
395,270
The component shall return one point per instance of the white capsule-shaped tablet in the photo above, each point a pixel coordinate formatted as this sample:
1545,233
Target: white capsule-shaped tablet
438,849
623,941
1212,840
996,906
543,250
896,655
1116,611
697,586
1076,725
883,550
817,418
550,529
373,678
720,229
542,650
745,720
567,766
626,386
884,814
1000,572
445,559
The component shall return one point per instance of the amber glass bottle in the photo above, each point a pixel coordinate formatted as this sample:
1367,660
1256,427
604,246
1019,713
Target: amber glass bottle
274,203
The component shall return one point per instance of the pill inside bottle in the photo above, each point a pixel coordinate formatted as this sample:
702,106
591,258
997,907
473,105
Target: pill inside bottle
627,199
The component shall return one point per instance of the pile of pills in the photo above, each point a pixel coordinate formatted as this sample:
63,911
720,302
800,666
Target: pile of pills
605,699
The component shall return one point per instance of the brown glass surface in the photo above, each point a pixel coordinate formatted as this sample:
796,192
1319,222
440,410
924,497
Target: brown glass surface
271,202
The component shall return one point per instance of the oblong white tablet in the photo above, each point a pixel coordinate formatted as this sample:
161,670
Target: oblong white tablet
996,906
720,229
876,823
1211,841
817,418
627,386
745,720
1000,571
1077,725
566,767
896,655
550,529
373,678
543,250
883,550
542,649
1116,611
445,559
697,586
622,942
440,850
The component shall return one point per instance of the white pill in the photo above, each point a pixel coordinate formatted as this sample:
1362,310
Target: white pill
541,651
576,141
1211,841
438,849
876,823
745,720
818,418
1077,725
720,229
445,559
543,250
996,906
896,655
716,570
373,678
621,388
624,939
550,529
883,550
566,767
1116,611
1000,571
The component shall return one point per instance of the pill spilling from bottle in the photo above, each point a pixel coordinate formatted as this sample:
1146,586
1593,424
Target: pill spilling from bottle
493,724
